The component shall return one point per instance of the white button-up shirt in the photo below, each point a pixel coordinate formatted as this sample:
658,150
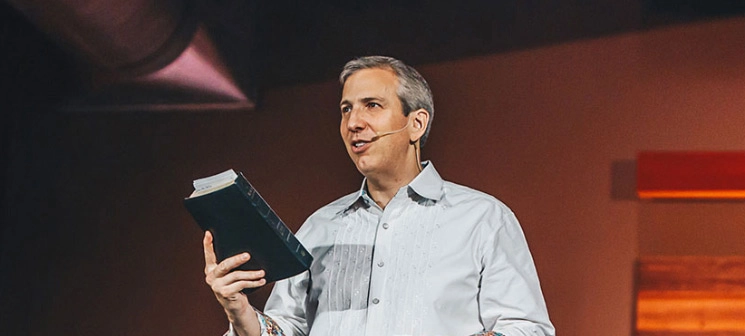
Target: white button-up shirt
440,259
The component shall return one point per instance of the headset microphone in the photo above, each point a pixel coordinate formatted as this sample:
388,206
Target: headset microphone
379,135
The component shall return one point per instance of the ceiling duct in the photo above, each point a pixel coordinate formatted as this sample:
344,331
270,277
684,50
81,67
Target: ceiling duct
147,53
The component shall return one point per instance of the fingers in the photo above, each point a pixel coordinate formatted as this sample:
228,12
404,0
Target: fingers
226,284
233,292
210,261
229,287
227,265
226,274
251,276
231,263
231,284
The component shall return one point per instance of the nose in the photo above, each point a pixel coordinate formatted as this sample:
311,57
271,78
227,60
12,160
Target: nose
355,121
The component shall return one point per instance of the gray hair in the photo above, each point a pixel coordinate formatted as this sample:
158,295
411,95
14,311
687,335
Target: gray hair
413,90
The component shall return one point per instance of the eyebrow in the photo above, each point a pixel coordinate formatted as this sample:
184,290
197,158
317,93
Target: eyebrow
363,100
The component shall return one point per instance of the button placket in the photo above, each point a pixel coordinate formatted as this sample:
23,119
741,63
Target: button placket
378,276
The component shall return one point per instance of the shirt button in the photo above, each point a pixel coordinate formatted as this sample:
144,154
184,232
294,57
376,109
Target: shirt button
375,301
381,264
385,226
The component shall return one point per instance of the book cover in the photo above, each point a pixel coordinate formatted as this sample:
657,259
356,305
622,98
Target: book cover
241,221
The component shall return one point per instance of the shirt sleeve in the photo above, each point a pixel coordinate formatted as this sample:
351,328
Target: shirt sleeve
287,306
510,298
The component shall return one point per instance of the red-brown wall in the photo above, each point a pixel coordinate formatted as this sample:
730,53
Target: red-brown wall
97,239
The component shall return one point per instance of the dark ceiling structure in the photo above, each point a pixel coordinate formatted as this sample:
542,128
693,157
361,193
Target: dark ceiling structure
113,53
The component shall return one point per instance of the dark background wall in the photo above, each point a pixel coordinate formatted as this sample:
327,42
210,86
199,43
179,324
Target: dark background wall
95,238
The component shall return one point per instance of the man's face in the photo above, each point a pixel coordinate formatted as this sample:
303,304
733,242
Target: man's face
369,105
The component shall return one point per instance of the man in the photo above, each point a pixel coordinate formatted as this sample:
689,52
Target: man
409,253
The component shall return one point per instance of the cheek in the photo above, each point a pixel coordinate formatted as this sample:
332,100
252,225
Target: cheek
343,132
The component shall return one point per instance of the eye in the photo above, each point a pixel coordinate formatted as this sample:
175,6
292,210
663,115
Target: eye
373,105
346,109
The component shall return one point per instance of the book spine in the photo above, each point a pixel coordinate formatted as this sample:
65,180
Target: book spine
271,217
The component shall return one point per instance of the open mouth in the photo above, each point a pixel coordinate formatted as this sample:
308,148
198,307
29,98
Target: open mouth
359,145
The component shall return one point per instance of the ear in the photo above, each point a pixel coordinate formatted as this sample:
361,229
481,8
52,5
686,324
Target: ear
419,120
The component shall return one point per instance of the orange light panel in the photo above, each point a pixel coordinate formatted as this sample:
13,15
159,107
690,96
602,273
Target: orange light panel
691,296
691,175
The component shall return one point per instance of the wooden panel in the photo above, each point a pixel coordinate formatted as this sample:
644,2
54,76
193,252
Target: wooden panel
691,175
691,296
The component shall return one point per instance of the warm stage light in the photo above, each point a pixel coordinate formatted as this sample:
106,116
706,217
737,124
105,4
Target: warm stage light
702,175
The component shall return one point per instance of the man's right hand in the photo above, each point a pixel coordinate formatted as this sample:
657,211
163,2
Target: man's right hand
227,285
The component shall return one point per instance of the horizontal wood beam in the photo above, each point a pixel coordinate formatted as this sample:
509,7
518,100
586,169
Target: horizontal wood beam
691,296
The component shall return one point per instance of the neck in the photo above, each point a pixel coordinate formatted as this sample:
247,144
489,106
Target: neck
383,187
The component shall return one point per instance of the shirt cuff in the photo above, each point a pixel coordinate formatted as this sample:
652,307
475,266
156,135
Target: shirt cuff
268,326
230,331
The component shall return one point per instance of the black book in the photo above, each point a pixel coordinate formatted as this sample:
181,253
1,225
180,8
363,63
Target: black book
241,221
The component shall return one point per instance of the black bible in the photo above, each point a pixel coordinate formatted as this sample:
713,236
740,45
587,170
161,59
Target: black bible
240,220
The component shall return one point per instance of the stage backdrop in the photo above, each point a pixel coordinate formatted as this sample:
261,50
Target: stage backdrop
97,241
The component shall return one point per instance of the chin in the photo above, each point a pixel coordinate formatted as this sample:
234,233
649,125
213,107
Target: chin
364,166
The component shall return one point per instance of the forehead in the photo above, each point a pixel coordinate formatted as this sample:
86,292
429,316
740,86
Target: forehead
367,83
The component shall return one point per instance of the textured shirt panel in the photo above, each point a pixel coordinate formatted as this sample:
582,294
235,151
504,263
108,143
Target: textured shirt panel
433,262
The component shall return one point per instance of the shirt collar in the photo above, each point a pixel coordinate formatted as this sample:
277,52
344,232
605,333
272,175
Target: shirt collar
427,184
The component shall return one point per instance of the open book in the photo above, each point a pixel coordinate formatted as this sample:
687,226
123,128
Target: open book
240,220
